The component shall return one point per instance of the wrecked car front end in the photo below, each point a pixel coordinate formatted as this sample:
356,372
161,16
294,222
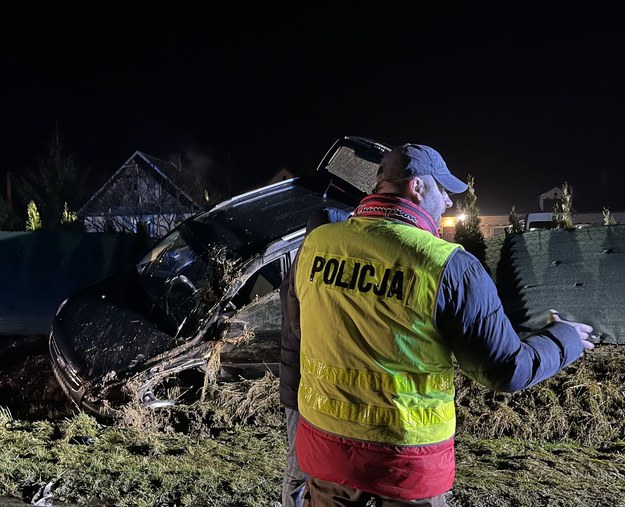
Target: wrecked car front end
203,304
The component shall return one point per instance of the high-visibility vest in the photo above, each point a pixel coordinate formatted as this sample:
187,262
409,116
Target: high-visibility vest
373,365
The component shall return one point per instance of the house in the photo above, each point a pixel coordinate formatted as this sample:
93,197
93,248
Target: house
149,194
547,200
490,225
281,175
498,225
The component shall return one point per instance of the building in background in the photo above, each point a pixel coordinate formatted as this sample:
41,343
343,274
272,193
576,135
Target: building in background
148,194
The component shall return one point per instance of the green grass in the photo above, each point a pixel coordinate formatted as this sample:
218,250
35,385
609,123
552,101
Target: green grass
128,468
147,461
530,473
561,443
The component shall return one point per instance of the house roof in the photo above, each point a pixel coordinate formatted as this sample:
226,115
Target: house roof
280,175
190,185
554,193
184,180
578,272
546,200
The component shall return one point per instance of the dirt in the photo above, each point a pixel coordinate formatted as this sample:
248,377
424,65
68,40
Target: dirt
583,425
28,388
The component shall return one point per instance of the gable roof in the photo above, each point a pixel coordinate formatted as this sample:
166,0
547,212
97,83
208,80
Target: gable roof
578,272
554,193
280,175
185,184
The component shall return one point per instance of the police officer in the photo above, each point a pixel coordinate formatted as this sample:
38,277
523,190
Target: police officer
385,304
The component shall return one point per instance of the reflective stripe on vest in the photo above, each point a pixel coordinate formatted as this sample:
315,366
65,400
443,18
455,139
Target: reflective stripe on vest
377,370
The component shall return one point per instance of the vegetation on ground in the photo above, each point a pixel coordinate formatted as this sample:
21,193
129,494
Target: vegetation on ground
560,443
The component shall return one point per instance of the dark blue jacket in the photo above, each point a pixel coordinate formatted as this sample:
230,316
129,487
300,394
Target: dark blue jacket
470,316
488,350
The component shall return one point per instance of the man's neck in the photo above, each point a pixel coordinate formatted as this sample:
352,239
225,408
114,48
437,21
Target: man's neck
397,208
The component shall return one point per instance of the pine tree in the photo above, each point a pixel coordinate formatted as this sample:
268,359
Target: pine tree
68,216
608,218
563,209
33,222
468,232
55,182
514,221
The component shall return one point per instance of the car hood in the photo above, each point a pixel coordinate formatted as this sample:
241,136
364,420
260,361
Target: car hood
111,328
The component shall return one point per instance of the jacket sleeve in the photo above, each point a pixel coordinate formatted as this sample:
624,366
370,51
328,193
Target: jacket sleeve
289,304
471,318
289,350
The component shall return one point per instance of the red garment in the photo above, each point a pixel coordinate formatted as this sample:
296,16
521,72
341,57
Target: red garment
403,472
393,207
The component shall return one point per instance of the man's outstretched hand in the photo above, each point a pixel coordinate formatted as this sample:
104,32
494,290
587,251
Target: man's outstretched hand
583,330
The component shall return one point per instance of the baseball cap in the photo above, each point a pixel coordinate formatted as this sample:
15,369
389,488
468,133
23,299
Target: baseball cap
418,160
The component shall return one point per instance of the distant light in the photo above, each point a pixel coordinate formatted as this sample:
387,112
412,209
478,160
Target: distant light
448,221
462,217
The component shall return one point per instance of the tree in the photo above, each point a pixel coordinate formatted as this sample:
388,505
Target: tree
53,184
9,219
563,209
608,218
33,222
514,221
4,212
468,232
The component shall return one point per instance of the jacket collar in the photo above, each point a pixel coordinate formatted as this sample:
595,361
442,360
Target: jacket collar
398,209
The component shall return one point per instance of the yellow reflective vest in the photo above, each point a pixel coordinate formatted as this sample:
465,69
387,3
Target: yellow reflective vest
373,365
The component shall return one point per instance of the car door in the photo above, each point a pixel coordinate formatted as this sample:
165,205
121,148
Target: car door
250,344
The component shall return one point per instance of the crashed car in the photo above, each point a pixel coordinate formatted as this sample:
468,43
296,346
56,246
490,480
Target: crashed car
204,301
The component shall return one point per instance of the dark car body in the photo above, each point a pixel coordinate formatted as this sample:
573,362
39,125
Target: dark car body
148,329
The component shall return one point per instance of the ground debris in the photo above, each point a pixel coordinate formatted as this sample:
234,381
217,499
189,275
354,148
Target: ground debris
560,443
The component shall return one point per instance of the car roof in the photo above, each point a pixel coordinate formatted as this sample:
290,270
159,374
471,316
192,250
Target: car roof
249,222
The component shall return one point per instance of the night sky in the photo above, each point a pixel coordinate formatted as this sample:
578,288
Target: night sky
522,97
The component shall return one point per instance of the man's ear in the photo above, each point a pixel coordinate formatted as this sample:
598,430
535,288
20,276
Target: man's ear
417,188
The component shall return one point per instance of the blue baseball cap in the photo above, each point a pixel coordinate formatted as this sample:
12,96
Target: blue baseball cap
418,160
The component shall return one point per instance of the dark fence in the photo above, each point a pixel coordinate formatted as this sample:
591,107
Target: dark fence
38,270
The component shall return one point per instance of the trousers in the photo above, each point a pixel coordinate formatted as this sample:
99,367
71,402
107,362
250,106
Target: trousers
318,493
294,478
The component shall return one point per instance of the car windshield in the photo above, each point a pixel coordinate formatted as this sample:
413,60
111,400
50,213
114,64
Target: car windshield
182,279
